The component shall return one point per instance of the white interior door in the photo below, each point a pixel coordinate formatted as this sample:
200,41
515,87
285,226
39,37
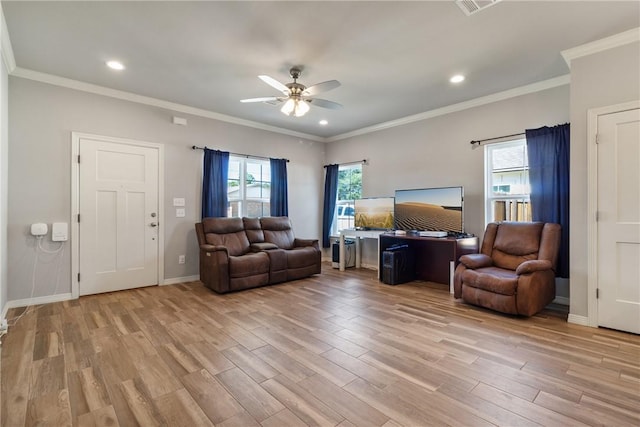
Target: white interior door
618,235
118,206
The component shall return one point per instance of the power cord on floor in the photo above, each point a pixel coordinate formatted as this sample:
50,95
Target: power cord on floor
59,252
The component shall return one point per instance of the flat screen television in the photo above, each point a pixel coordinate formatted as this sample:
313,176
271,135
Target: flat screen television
430,209
374,213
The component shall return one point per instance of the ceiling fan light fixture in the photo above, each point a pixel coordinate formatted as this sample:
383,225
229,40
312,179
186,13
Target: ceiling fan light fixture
296,107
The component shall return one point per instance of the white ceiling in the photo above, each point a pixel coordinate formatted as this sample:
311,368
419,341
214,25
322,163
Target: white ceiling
394,59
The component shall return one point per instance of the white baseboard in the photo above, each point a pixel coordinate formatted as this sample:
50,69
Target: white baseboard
578,320
176,280
561,300
38,300
5,309
369,266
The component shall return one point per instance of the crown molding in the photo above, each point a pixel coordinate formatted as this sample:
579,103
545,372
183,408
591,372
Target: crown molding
5,45
495,97
154,102
128,96
630,36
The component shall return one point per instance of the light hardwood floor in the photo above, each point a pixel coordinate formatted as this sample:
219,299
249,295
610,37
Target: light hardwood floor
336,349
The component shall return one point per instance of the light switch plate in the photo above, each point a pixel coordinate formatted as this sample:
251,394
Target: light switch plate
180,213
178,201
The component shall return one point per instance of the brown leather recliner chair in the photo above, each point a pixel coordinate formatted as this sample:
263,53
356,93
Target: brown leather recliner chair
515,270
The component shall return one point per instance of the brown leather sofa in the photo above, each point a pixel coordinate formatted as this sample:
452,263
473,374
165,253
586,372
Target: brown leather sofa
515,270
243,253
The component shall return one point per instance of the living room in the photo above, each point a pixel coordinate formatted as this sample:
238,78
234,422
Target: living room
40,111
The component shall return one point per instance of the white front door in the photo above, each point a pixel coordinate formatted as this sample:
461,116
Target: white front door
118,223
618,226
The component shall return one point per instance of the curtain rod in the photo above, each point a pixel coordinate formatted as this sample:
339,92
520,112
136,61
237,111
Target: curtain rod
480,141
195,147
363,161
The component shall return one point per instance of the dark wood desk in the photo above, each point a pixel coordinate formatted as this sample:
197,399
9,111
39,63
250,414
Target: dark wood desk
432,255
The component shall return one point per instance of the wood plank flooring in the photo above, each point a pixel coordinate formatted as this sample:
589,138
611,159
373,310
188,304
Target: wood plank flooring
338,349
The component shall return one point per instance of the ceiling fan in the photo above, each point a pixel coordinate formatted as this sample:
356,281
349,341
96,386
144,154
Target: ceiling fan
297,97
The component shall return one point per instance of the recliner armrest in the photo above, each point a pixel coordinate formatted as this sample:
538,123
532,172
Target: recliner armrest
212,248
534,265
474,261
306,242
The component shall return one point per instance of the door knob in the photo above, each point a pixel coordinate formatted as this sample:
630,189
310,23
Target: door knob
153,224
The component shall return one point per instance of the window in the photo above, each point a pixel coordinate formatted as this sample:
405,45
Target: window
249,187
349,189
507,182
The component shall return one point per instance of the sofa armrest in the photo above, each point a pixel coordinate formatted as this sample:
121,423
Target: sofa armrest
212,248
306,242
263,246
530,266
474,261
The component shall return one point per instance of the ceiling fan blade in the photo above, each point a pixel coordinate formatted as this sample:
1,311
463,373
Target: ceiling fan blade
274,84
263,99
321,87
324,103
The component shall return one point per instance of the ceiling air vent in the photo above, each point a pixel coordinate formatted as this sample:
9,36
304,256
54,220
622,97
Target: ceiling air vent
469,7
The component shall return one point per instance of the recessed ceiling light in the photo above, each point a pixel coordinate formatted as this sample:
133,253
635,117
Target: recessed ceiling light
457,78
323,122
115,65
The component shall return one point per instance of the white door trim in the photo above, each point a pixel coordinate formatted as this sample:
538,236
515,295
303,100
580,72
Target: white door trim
75,202
592,203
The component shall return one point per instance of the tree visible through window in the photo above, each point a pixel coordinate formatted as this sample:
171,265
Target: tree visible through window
507,182
349,189
248,187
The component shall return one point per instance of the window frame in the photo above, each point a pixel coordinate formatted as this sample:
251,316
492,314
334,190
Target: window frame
490,198
335,230
242,199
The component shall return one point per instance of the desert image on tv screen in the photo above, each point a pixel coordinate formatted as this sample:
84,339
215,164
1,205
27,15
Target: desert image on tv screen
374,213
433,209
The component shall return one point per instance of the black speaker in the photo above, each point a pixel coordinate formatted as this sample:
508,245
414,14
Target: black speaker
398,265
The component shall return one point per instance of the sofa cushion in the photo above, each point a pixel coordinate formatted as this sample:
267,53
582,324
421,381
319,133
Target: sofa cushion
301,257
277,230
248,265
253,229
227,232
492,279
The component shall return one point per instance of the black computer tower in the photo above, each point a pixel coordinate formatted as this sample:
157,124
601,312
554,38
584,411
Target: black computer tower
398,265
349,254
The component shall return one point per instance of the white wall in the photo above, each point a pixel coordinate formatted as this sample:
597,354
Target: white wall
436,152
4,162
599,80
42,117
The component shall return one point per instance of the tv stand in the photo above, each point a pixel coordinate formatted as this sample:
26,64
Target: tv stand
435,258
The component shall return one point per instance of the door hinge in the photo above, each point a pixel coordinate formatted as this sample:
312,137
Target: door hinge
597,138
78,158
78,277
78,217
597,293
597,216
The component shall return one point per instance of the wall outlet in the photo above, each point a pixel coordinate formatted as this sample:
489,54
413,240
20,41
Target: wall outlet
180,259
